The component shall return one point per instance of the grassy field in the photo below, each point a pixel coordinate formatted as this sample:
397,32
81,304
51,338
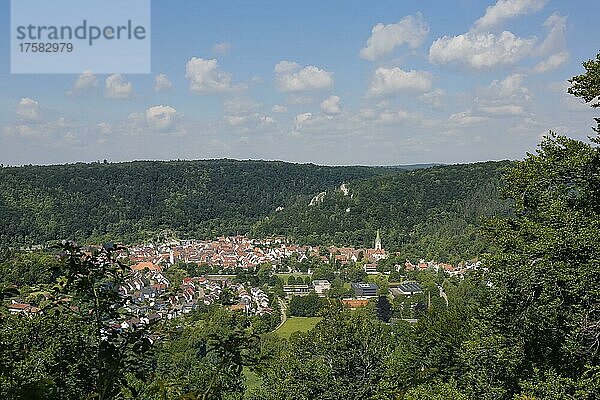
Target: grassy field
297,324
296,274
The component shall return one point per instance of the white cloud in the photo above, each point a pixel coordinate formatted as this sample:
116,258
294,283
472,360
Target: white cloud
299,100
115,87
240,105
33,126
554,45
206,77
480,50
286,67
552,62
496,14
388,81
85,81
325,125
222,48
556,38
291,77
559,90
246,121
433,98
389,117
301,119
506,97
279,109
503,110
162,83
267,119
24,131
410,30
105,128
331,105
136,119
367,113
71,138
28,110
161,118
509,88
466,118
244,114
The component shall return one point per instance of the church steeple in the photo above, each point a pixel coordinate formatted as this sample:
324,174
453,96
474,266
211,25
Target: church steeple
378,241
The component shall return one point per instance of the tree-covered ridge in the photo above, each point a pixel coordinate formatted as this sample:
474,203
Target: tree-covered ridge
430,212
433,212
132,200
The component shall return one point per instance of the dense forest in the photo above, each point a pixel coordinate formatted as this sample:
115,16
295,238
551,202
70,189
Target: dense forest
433,213
133,201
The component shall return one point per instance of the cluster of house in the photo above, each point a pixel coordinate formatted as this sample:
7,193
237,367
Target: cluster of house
226,252
346,255
242,252
256,302
450,269
148,298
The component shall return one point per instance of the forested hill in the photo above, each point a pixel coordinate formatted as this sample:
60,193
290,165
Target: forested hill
130,201
430,213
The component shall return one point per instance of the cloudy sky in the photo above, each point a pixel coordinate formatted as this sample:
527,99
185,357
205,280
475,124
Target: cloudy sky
329,82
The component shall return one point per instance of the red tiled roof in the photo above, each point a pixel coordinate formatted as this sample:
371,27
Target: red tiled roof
143,265
355,303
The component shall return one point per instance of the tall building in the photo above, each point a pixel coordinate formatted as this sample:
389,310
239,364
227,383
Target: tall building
377,241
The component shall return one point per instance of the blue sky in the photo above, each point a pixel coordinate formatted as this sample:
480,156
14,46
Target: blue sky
329,82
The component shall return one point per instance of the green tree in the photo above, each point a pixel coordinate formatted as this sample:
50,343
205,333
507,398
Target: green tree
545,273
175,274
48,356
343,357
587,85
74,347
436,391
544,310
552,386
204,359
356,274
264,274
305,306
384,308
29,269
90,289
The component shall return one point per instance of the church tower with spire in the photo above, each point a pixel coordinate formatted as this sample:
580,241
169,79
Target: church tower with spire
378,241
